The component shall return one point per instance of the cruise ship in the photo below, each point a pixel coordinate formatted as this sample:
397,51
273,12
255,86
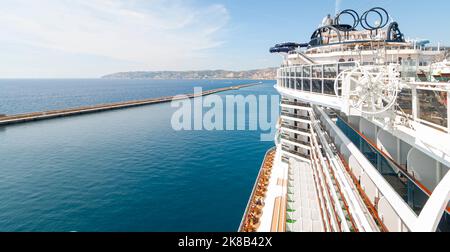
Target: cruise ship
363,141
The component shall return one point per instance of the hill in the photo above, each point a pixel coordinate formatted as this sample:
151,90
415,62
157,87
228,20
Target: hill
259,74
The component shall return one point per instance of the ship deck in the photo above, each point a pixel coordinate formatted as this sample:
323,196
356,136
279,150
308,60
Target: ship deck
274,211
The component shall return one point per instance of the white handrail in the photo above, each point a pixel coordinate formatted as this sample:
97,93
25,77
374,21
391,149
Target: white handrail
435,207
402,209
247,208
357,211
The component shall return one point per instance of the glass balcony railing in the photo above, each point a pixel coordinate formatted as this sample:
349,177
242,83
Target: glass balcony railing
301,104
395,175
293,152
431,97
295,140
295,128
433,107
307,118
317,79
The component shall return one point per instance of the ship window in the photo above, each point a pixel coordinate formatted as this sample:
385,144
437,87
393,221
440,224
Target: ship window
307,72
298,71
292,72
307,85
292,83
346,66
317,72
330,71
341,60
328,87
298,83
317,86
404,101
433,106
339,91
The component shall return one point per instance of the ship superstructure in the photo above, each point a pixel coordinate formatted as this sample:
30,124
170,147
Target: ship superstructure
363,141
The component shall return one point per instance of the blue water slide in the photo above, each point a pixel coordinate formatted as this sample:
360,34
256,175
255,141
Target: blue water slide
292,44
281,49
422,42
287,47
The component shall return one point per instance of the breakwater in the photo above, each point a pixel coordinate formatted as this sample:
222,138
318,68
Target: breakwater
36,116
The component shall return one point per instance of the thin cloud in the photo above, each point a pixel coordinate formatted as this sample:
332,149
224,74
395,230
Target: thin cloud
156,33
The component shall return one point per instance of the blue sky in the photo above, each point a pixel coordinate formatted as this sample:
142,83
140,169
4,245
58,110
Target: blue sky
90,38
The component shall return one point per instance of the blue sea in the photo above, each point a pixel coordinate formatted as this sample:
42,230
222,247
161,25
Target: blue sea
23,96
124,170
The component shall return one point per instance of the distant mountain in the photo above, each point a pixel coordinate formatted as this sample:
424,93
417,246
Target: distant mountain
260,74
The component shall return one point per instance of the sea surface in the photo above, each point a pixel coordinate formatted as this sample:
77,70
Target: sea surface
124,170
24,96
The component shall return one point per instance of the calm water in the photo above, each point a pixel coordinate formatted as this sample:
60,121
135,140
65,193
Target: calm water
122,170
21,96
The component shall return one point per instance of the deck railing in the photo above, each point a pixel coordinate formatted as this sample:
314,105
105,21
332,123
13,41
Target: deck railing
283,125
300,104
285,149
295,116
295,140
425,103
261,170
393,202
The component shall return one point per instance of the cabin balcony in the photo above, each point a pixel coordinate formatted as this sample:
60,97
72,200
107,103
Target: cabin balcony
295,105
295,117
290,153
295,141
295,129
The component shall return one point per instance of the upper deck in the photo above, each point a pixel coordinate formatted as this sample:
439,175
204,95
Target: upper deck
381,43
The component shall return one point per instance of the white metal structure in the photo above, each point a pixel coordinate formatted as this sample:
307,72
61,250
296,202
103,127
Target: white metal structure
367,113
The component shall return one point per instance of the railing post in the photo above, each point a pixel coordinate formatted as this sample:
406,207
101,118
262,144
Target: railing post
323,79
435,207
415,103
448,113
